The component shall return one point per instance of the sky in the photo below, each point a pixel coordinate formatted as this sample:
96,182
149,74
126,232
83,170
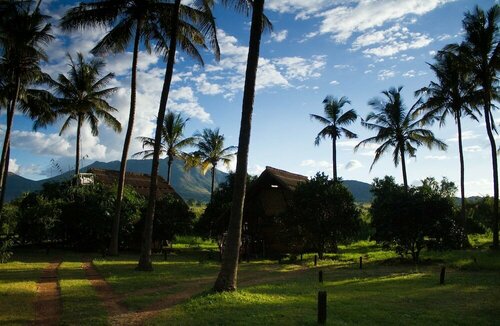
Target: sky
352,48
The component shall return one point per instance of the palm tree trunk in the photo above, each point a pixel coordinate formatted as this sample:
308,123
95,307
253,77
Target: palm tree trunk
4,181
334,156
4,161
78,132
487,112
145,263
213,182
227,278
169,167
463,217
115,228
403,167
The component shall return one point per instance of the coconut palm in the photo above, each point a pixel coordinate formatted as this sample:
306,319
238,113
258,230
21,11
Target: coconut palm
397,128
451,95
482,57
210,151
83,96
189,26
334,121
226,279
24,32
173,140
141,21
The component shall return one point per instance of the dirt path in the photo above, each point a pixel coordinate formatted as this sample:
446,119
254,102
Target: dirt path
48,306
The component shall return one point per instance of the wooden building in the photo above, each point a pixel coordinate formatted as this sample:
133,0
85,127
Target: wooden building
269,196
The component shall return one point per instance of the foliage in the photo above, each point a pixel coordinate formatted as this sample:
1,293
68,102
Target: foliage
480,214
410,219
322,215
6,243
214,220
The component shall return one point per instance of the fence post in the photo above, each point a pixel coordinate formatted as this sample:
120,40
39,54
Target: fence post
315,260
441,277
320,274
321,307
360,262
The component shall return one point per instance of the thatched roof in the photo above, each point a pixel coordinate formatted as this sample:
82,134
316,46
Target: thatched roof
139,181
283,178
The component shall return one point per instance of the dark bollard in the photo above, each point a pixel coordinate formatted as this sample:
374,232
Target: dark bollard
315,260
165,254
360,262
320,274
301,257
322,307
441,277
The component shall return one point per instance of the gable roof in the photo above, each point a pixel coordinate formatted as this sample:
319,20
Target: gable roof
284,178
139,181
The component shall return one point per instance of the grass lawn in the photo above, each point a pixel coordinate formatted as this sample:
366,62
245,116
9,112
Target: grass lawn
386,291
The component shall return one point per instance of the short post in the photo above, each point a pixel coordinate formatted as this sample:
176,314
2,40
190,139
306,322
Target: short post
321,307
320,275
360,262
165,254
315,260
441,277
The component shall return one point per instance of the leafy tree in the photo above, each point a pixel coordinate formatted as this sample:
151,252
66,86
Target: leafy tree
322,215
82,98
481,54
210,151
398,128
23,35
189,26
334,121
408,220
173,140
451,95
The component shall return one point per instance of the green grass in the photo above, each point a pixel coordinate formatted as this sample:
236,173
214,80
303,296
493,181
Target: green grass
81,306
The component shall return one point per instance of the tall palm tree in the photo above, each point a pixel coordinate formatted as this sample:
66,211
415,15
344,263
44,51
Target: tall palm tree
188,26
210,152
24,32
334,121
227,277
137,20
398,128
482,56
451,95
83,96
173,140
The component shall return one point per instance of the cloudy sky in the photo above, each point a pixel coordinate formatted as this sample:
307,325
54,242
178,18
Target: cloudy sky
353,48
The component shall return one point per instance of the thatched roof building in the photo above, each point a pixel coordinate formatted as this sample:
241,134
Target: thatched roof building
139,181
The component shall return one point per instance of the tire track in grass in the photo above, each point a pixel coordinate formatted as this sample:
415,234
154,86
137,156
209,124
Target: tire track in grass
48,306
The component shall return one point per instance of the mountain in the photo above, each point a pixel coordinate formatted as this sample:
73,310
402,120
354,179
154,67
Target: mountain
188,184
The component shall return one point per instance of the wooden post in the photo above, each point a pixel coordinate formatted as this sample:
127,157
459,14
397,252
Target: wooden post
360,262
321,307
441,277
165,254
315,260
320,275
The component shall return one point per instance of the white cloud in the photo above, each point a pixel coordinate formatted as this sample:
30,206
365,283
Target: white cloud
466,135
302,9
473,149
256,169
316,164
13,166
279,36
334,82
300,68
436,157
386,74
409,74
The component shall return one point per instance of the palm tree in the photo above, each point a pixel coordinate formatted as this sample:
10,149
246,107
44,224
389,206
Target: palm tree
334,121
188,26
482,56
451,95
142,21
396,127
83,98
23,35
173,140
226,280
210,152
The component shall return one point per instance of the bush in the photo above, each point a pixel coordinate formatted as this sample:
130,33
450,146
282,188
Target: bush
408,220
6,243
322,215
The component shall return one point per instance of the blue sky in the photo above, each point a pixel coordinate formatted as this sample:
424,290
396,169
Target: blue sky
353,48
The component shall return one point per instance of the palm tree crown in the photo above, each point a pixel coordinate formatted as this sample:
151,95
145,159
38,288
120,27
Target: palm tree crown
173,140
334,121
210,152
83,96
397,128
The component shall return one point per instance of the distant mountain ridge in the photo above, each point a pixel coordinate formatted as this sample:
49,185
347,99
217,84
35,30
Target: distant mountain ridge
189,184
